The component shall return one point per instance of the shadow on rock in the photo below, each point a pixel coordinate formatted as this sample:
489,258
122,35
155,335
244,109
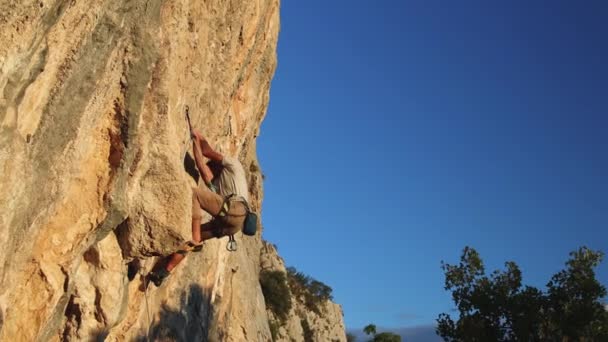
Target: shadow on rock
189,322
99,336
190,167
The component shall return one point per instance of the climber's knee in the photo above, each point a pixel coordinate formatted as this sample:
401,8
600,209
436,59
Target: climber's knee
197,212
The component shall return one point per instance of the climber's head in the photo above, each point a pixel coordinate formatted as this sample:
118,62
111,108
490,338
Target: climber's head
215,166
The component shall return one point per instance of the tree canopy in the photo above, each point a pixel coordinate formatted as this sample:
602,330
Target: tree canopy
499,308
311,291
370,329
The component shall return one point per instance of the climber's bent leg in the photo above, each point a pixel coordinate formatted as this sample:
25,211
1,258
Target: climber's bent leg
207,200
174,260
197,217
205,232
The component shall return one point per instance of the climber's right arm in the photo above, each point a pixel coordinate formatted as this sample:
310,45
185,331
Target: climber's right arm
203,169
205,148
206,174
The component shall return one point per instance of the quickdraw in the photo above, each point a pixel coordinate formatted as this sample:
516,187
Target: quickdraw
188,120
231,245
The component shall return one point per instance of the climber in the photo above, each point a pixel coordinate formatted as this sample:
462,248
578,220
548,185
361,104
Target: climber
229,208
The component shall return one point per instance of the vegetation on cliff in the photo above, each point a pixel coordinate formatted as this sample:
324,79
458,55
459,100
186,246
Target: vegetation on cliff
283,290
276,293
311,292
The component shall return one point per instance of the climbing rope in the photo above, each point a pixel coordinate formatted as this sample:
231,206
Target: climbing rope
147,308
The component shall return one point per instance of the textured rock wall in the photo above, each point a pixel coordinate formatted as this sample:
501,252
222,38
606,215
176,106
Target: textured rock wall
97,169
93,154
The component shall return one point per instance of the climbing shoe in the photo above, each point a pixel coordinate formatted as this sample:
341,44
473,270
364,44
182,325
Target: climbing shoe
158,276
195,246
190,246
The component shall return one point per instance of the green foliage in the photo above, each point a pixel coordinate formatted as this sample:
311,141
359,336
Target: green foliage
386,337
574,308
311,291
370,329
274,329
276,293
499,308
350,337
308,334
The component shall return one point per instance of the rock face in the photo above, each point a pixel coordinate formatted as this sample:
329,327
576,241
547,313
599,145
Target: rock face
303,324
97,169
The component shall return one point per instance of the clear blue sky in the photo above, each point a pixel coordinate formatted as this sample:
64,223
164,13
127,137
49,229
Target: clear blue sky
399,132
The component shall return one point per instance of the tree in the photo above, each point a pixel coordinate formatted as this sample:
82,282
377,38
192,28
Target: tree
350,337
370,329
574,308
276,293
499,308
386,337
309,335
308,290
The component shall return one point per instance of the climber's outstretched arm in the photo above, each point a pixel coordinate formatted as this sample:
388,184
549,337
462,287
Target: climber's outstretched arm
206,174
203,169
206,149
202,148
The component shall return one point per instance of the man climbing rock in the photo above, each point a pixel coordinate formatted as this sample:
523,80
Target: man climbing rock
228,207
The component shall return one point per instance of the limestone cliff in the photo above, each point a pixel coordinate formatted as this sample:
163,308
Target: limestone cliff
96,166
